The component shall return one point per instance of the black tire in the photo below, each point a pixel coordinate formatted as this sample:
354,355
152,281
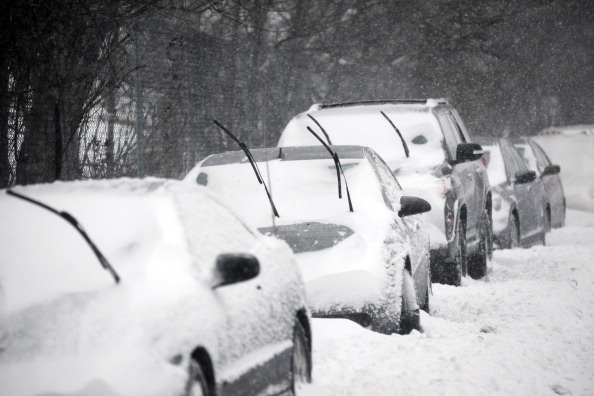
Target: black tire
426,304
514,232
489,236
547,227
197,384
477,262
301,361
410,316
456,270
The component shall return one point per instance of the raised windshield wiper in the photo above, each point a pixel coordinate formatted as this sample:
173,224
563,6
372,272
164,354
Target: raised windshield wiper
70,219
398,132
338,166
252,161
321,128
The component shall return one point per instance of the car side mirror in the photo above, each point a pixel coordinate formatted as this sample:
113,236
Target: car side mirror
551,170
525,177
412,206
235,268
468,152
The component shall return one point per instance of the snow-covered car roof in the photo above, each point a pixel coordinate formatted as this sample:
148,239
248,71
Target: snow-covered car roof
365,125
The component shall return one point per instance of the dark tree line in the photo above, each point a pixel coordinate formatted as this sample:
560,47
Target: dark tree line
94,89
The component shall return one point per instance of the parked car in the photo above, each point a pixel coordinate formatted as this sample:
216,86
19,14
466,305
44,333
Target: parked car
369,265
427,147
538,161
520,205
172,294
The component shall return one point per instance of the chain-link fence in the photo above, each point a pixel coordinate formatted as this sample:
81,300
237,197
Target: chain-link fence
159,121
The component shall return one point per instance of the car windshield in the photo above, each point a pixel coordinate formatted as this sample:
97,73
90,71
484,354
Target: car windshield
368,127
304,190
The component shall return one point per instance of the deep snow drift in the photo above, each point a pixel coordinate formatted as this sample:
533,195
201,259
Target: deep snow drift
527,329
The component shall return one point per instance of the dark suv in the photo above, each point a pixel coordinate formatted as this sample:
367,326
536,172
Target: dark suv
427,147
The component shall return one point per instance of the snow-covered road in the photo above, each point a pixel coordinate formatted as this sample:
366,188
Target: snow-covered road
526,329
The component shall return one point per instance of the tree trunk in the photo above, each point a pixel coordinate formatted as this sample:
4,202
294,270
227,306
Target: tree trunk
5,169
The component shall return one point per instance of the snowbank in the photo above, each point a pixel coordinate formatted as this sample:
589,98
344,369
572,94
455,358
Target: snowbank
524,330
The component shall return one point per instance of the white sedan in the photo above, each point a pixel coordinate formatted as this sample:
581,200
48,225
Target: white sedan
163,292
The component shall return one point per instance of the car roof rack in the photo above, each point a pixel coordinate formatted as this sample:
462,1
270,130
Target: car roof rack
430,102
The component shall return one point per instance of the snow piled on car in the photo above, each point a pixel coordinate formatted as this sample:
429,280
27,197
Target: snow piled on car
63,313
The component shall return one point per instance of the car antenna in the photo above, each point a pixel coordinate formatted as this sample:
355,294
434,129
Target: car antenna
70,219
321,128
338,169
252,161
398,132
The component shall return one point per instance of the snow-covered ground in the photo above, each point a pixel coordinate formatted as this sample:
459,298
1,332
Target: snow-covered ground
526,329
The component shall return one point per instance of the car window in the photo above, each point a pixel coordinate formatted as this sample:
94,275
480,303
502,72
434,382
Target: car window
541,157
389,185
511,166
456,128
449,135
519,165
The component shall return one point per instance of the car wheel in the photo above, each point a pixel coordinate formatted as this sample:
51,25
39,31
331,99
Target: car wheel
489,228
426,305
514,232
197,384
457,269
547,228
477,263
410,317
301,363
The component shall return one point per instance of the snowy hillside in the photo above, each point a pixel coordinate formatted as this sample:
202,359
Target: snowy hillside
573,149
526,329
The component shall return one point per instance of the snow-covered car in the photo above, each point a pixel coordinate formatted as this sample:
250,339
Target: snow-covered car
538,161
520,205
426,145
371,264
173,295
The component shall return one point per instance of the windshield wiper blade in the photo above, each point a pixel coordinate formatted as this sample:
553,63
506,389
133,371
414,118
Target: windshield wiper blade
321,128
338,165
70,219
399,134
252,162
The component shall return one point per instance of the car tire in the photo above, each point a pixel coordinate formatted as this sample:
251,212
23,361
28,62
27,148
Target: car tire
426,304
410,316
301,360
456,270
489,227
514,232
477,262
197,384
546,228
